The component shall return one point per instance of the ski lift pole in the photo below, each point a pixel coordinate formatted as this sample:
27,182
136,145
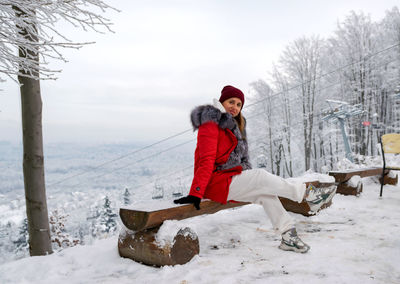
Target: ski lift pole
339,113
346,143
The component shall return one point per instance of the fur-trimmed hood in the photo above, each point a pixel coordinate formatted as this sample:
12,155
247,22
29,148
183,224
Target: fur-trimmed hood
216,113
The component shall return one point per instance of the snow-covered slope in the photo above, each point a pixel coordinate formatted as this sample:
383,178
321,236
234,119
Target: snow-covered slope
356,240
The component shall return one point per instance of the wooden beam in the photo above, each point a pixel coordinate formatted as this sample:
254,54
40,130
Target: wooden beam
343,176
137,220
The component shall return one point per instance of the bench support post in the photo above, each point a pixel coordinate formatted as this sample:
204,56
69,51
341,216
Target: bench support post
142,247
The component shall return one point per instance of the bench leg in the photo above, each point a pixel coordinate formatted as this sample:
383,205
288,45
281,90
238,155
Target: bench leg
142,247
382,180
346,188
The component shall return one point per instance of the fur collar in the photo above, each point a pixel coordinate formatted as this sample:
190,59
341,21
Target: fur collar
215,113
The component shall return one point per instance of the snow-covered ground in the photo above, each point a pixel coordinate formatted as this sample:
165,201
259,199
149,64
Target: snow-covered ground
356,240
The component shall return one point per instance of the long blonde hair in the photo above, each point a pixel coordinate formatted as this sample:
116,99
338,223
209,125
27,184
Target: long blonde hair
241,121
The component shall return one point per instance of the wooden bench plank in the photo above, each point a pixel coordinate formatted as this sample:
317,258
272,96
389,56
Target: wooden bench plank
343,176
137,220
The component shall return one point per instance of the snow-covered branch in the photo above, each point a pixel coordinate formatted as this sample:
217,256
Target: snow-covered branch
38,19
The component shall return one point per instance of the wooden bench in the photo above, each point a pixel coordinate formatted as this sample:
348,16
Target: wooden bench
138,241
345,187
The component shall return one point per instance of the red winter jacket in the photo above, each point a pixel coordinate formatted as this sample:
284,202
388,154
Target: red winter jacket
214,145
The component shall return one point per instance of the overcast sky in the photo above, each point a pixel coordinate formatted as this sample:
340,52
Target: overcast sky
141,82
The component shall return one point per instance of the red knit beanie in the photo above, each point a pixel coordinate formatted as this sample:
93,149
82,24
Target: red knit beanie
231,92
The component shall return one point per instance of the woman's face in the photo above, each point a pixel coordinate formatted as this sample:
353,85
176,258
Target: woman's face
233,106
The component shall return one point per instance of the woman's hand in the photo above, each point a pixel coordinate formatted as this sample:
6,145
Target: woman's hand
189,199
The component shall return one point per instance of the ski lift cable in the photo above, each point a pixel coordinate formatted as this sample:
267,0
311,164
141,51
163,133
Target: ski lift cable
143,159
166,176
137,161
187,130
121,157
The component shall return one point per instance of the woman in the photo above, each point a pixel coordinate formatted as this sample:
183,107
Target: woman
222,170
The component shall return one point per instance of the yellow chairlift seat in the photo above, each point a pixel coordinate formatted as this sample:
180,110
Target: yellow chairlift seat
390,144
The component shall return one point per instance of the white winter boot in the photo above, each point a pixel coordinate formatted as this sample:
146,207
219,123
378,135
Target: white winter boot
292,242
316,197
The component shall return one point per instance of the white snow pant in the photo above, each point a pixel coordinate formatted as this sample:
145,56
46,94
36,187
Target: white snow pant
260,187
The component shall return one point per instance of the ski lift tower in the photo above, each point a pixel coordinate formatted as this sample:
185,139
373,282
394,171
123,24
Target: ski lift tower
339,111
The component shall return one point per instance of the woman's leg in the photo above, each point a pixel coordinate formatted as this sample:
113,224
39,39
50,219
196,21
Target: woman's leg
262,182
260,187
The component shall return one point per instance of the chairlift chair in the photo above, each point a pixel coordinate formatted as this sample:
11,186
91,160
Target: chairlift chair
390,144
178,189
158,191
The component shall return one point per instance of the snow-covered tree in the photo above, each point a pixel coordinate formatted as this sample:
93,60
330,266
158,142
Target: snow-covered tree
105,220
9,234
281,84
127,197
29,27
59,235
301,62
355,39
93,216
22,242
262,126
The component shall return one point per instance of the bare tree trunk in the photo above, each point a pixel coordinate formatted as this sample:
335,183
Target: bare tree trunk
269,110
271,155
282,85
332,161
305,128
289,168
33,167
33,161
322,156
